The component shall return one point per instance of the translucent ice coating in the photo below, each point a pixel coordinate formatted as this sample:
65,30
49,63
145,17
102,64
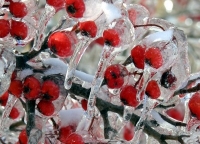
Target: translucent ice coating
8,63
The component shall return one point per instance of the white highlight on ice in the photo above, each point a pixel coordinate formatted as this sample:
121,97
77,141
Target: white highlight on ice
168,5
160,121
111,11
1,68
70,117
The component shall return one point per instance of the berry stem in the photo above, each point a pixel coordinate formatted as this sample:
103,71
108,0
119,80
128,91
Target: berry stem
30,106
135,26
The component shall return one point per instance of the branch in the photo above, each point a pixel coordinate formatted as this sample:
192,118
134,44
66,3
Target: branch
189,90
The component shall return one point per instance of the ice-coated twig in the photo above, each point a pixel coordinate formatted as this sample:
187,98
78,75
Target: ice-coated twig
35,136
49,11
5,116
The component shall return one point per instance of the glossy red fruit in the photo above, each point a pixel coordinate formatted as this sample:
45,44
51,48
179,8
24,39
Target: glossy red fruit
175,114
74,139
114,75
19,30
14,113
31,88
56,3
46,107
23,139
153,57
128,96
152,89
111,37
84,104
16,88
88,28
168,79
75,8
64,132
128,132
50,90
194,104
137,55
18,9
60,44
5,28
4,98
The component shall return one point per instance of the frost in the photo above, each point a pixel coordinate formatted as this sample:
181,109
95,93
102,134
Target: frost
111,11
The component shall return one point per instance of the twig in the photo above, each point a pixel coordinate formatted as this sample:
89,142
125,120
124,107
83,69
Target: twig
189,90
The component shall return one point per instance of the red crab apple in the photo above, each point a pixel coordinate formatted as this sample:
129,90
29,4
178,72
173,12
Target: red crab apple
84,104
46,107
152,89
137,55
56,3
19,30
168,79
18,9
88,28
60,44
75,8
14,113
4,98
128,131
23,139
5,28
175,114
31,88
50,90
153,57
194,104
16,88
114,75
64,132
74,139
128,96
111,37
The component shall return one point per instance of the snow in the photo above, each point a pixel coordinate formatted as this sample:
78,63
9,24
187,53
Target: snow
24,73
58,66
160,36
70,117
111,11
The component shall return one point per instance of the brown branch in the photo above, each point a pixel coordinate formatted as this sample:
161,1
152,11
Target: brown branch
189,90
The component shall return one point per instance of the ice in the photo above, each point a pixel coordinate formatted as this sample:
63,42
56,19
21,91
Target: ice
24,73
49,11
111,11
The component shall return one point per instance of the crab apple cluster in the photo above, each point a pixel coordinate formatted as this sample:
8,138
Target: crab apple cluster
140,87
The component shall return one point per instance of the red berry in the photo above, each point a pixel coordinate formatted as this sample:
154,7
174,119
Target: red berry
31,88
18,9
16,88
14,113
50,90
23,139
152,89
46,107
128,132
5,28
128,96
60,44
19,30
75,8
74,139
175,114
84,104
88,28
56,3
137,54
153,57
114,75
168,79
194,104
4,98
111,37
64,132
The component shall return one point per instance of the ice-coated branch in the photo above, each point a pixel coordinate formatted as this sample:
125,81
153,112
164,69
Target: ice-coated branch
105,106
189,90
